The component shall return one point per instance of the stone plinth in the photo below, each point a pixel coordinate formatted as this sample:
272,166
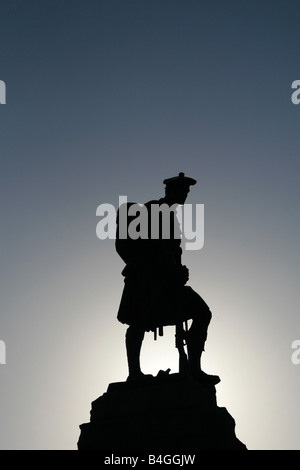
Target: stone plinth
168,413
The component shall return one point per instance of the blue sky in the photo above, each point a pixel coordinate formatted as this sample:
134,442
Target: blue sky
108,98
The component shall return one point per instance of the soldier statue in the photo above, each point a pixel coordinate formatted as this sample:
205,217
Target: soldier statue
155,293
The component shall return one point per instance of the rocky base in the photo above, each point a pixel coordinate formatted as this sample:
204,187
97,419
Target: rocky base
168,412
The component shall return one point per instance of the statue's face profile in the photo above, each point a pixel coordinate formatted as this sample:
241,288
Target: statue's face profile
177,193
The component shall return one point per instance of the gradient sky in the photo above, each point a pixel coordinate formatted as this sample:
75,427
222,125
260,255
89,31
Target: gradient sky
108,98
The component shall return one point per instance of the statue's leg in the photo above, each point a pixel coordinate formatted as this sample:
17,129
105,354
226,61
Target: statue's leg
196,336
195,339
134,339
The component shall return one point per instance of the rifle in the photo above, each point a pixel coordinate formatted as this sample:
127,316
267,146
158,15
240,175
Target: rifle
179,344
180,329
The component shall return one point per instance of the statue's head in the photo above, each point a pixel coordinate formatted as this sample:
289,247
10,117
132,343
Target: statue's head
177,188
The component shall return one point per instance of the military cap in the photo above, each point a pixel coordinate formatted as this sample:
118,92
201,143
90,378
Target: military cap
181,178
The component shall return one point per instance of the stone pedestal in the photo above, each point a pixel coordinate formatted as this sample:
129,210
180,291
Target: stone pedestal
167,413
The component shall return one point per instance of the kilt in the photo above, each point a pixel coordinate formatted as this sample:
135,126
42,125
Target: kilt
157,301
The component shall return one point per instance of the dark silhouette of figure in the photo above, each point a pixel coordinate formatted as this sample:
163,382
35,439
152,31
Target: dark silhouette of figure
155,292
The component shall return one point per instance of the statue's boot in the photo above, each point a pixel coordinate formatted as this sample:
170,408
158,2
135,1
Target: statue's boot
134,339
139,377
195,349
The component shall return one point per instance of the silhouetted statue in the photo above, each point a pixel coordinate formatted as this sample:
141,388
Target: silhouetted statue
155,292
